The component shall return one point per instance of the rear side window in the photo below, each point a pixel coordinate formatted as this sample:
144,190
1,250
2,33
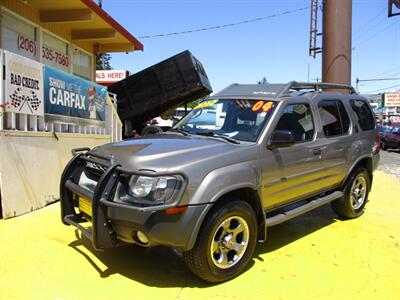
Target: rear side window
334,117
365,116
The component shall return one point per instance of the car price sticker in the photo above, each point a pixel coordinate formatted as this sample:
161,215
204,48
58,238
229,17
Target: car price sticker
205,104
263,106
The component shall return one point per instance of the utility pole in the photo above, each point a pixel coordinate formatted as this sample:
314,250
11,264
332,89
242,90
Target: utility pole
336,41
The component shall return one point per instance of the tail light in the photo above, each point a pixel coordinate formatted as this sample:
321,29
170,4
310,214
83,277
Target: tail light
377,146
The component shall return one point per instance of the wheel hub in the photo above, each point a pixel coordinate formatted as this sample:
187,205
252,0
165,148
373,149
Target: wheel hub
229,242
358,192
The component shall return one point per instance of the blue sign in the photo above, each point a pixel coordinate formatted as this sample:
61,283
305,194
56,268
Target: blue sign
68,95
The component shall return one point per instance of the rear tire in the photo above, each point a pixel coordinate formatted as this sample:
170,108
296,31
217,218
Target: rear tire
225,243
355,194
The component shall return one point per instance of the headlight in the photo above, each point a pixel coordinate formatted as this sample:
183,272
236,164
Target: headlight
148,190
87,183
143,186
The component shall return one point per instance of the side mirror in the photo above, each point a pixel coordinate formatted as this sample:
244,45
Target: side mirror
281,138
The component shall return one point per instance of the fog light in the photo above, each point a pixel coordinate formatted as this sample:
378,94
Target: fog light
142,237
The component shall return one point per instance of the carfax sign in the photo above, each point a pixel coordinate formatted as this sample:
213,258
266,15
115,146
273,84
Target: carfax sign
24,85
72,96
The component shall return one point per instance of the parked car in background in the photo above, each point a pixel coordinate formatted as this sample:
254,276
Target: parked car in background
383,130
174,117
390,137
164,122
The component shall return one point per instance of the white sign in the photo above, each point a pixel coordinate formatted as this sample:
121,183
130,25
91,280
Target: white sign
110,75
24,85
392,99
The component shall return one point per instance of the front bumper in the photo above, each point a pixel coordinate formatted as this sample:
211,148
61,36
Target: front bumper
113,222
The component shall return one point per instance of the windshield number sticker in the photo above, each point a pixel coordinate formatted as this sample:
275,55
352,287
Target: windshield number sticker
262,106
208,103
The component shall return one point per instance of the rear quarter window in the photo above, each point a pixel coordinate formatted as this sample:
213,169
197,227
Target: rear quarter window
366,118
335,120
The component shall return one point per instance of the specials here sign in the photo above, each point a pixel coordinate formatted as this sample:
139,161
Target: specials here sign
110,76
24,85
72,96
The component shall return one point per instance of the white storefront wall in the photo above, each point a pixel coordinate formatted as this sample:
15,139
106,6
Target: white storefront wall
27,39
34,148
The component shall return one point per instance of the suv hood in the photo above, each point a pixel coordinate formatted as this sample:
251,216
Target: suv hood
170,151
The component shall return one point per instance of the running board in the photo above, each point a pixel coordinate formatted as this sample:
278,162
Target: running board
290,214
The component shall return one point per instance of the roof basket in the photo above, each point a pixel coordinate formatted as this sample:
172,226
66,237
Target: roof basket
316,86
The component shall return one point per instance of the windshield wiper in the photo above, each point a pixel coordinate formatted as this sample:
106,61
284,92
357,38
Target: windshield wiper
226,138
182,131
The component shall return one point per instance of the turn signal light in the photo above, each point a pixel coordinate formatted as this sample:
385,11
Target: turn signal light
176,210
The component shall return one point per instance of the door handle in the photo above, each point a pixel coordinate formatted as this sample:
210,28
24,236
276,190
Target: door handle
317,151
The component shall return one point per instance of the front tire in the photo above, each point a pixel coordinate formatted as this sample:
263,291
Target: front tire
225,243
355,195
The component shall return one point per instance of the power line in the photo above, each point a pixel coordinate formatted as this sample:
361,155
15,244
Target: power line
364,28
358,80
225,25
376,34
387,72
386,88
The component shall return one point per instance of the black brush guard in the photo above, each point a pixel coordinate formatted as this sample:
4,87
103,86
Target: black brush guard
101,234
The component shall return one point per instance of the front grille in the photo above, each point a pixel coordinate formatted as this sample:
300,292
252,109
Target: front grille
96,170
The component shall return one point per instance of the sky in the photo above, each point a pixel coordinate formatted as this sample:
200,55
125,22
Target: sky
275,47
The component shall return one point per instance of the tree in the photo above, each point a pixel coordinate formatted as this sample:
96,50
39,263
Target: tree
103,61
263,81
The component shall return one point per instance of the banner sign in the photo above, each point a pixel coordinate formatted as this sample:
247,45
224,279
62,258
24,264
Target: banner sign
392,99
110,75
72,96
24,85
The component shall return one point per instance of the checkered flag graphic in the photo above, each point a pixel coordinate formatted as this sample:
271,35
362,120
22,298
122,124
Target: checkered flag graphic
34,101
18,100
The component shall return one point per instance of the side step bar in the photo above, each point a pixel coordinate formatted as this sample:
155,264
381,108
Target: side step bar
290,214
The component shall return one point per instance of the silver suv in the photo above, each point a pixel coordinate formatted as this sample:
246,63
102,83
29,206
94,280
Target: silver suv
250,157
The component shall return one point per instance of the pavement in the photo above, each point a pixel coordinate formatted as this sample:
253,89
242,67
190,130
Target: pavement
390,162
315,256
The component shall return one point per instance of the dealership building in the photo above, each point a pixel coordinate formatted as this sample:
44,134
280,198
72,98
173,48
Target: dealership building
386,106
50,102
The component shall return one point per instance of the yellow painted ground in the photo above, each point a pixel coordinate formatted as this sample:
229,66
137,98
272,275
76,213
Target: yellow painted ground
314,256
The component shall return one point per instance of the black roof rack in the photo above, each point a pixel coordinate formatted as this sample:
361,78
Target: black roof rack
251,90
277,90
316,86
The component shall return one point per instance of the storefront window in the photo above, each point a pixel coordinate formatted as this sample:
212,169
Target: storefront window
55,52
82,64
19,36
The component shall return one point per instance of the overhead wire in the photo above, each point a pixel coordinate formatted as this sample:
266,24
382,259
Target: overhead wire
376,33
225,25
383,89
387,72
365,27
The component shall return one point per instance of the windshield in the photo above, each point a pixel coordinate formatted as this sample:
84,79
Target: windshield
238,119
